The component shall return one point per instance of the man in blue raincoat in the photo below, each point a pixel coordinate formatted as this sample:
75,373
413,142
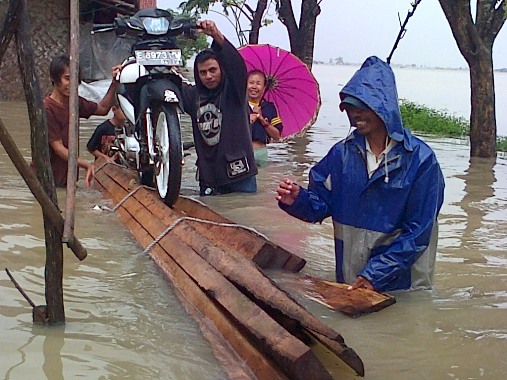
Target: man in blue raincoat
382,187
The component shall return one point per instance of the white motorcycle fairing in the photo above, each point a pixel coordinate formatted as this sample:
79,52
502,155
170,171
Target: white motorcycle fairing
131,71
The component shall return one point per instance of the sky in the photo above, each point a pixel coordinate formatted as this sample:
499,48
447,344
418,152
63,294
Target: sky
357,29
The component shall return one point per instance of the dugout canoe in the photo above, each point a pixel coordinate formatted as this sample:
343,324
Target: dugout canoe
219,278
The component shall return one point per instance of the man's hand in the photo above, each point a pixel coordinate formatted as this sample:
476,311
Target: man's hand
287,192
90,172
209,28
115,71
361,282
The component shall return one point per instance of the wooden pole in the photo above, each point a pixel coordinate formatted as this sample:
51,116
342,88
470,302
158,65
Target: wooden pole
49,209
68,230
37,119
9,26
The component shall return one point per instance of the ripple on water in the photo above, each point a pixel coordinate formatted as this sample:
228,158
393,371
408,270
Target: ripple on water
8,242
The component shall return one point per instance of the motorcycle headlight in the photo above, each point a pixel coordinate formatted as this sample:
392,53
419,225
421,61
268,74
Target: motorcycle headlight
156,25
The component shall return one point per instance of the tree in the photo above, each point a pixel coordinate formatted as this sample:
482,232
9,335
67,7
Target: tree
237,9
189,45
302,37
475,40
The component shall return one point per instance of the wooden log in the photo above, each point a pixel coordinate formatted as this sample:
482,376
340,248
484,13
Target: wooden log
250,244
49,209
238,269
245,274
297,360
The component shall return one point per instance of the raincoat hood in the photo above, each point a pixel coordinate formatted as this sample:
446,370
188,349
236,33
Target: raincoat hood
375,85
386,228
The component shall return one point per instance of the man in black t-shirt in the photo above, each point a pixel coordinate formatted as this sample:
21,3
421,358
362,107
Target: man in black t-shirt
217,105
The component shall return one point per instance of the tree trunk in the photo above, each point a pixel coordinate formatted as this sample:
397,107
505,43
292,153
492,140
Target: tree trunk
302,38
40,154
309,12
475,42
253,37
482,115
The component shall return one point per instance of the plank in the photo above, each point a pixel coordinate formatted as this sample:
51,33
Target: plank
292,355
251,245
352,303
227,275
244,273
263,252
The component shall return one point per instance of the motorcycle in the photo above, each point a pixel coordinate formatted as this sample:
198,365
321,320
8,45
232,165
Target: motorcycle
149,96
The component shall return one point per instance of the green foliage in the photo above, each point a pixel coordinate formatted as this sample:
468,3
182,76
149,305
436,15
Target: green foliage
501,144
202,6
189,45
422,119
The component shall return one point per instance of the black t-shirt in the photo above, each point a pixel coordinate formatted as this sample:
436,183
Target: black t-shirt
102,137
221,130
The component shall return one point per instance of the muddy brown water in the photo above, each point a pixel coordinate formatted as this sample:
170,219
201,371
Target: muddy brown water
125,321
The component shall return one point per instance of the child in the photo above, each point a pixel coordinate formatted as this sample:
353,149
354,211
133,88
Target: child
104,135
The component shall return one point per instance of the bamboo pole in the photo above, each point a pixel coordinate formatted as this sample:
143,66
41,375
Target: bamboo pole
68,230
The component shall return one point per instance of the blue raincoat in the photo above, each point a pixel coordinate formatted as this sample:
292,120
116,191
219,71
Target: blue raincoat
385,226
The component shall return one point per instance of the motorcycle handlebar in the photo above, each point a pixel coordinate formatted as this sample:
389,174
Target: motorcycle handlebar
100,28
186,26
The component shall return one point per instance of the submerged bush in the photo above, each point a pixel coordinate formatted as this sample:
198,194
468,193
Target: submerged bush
501,144
423,119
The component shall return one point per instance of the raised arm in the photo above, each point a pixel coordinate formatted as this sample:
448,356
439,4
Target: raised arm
108,100
230,59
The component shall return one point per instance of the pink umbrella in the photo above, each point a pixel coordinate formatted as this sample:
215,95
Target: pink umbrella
291,86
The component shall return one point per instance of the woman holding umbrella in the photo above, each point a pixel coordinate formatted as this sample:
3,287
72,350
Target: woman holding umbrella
265,123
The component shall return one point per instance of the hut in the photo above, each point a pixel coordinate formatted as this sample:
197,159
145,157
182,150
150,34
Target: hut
50,26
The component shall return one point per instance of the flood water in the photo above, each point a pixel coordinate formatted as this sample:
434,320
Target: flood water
124,320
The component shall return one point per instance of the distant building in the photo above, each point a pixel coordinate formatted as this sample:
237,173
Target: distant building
147,4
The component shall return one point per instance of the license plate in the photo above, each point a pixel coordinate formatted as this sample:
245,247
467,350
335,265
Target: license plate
159,57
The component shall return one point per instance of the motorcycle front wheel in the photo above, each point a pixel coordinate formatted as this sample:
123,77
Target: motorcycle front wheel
168,153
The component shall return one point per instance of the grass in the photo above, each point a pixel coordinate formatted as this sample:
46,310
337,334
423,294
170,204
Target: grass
426,120
423,119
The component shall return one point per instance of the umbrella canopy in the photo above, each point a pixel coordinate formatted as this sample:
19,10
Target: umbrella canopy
291,86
